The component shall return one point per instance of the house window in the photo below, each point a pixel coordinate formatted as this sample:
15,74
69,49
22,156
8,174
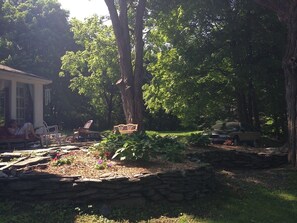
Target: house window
2,107
24,103
4,101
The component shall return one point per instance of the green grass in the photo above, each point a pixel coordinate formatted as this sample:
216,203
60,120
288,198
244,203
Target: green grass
172,133
254,196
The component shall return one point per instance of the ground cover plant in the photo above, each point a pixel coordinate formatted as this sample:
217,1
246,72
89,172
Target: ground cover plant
241,196
141,146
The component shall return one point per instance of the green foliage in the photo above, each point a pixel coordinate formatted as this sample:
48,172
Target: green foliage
132,147
168,147
62,161
203,54
94,68
198,139
34,35
141,147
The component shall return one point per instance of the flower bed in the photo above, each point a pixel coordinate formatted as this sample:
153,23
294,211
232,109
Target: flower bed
75,176
90,165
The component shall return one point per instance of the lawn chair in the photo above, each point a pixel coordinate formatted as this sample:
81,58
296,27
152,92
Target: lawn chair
85,134
48,133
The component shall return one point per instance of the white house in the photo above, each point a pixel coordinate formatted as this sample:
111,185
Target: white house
21,96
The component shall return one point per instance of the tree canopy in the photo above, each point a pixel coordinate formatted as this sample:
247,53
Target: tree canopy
94,68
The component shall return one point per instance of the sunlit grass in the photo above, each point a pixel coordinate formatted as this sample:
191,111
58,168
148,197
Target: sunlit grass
173,133
287,197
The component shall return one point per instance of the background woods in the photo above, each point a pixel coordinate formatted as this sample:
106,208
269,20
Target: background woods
168,64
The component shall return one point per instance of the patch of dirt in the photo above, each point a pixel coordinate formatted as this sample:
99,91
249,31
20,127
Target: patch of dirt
84,164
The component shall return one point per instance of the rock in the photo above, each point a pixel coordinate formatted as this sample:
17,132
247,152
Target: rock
3,175
32,161
175,197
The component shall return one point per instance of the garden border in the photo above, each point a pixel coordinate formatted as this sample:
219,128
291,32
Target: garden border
173,186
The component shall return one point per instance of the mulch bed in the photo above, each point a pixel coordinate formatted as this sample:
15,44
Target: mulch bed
84,164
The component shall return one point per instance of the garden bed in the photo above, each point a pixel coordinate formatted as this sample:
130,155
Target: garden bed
85,164
81,176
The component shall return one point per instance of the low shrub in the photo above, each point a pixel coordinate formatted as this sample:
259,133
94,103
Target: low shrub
198,139
168,147
140,147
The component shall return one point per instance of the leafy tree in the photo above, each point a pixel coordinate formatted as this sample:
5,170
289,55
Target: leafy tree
213,51
94,67
131,68
35,37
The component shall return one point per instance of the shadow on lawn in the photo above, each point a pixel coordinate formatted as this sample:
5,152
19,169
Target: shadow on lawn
241,196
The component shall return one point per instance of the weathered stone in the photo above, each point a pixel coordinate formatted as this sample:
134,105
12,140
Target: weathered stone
32,161
175,197
87,192
24,185
131,189
105,196
156,197
134,180
105,175
149,192
35,175
163,191
3,175
174,186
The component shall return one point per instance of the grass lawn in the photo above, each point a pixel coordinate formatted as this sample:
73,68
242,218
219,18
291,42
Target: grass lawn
172,133
242,196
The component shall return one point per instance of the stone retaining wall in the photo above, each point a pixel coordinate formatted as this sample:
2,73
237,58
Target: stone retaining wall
168,186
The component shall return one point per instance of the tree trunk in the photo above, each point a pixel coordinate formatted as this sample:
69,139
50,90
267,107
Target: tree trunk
287,13
242,107
131,80
290,70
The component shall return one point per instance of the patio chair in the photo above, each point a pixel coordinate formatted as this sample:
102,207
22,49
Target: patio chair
48,133
85,134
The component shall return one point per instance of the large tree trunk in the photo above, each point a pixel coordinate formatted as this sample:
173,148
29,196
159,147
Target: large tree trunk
290,69
131,82
287,13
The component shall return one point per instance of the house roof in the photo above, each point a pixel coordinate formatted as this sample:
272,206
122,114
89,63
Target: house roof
12,70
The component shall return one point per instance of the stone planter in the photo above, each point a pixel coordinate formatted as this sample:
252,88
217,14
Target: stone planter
173,186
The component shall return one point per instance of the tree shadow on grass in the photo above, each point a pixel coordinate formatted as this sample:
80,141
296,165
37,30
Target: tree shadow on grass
241,196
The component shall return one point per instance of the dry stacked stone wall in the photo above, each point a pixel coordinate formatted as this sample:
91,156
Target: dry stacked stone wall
171,186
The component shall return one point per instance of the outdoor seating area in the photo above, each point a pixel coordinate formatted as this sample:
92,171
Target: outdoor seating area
48,135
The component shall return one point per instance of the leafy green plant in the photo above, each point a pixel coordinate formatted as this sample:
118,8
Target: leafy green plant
57,161
140,147
168,147
198,139
135,147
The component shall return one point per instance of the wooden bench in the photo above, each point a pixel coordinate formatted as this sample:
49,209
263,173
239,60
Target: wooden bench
125,128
